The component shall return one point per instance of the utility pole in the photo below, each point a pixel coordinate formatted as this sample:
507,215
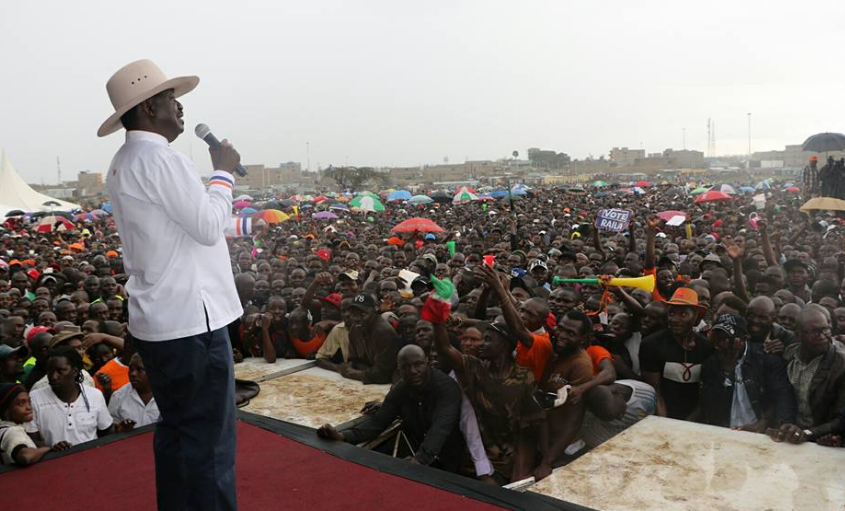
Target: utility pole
749,139
59,169
308,151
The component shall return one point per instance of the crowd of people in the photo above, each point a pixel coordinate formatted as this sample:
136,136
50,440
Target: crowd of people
501,367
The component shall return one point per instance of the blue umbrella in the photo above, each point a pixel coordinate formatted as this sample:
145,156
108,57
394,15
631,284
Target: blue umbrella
399,195
520,189
339,207
249,211
763,185
499,194
107,207
746,189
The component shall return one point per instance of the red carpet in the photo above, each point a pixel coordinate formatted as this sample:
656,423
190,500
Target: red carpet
273,472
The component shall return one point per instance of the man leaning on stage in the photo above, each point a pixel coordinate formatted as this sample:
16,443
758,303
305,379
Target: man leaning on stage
181,291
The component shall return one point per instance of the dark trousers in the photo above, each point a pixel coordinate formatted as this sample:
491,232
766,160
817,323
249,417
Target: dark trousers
193,384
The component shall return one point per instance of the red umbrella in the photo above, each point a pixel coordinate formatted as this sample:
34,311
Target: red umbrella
320,198
417,224
712,196
668,215
643,184
54,223
793,189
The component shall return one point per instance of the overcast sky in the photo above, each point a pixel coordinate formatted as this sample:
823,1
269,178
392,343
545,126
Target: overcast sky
407,83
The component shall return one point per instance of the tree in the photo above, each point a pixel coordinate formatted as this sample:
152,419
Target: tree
352,178
547,159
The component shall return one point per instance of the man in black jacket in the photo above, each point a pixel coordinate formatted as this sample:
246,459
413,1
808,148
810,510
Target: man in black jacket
762,328
741,385
429,404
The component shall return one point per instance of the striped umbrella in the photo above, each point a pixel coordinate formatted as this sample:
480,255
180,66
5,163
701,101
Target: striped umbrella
273,216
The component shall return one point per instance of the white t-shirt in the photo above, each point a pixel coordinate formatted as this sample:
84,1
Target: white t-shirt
126,404
75,422
642,403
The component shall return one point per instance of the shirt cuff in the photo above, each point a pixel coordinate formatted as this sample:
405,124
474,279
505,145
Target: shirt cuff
221,180
238,227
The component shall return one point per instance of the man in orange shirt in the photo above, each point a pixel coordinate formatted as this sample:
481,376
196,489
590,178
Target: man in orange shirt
534,347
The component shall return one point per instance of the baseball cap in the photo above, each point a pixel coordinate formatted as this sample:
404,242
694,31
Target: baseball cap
537,263
731,324
430,258
334,299
6,351
364,302
351,275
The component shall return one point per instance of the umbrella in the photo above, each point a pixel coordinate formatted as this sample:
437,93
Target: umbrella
420,199
367,193
463,196
107,207
668,215
99,212
83,216
520,189
249,211
576,190
339,207
792,189
273,216
52,203
367,203
441,196
746,189
639,190
417,224
599,184
728,189
272,204
15,212
320,198
712,196
54,223
286,203
240,204
399,195
499,194
824,142
787,185
325,215
763,185
243,197
644,184
699,191
824,204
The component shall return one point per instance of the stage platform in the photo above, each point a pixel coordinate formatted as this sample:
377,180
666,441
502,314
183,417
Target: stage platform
279,466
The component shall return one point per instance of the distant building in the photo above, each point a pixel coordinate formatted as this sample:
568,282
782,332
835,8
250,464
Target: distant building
89,183
792,157
623,156
259,177
668,159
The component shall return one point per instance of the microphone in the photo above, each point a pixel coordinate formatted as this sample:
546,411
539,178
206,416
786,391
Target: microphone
204,132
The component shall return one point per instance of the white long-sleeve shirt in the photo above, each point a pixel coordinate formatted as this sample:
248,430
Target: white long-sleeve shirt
172,231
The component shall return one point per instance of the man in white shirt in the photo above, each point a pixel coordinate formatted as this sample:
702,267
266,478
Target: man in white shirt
66,410
135,402
181,292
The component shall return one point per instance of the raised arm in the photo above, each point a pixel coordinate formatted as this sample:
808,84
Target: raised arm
512,316
652,223
445,350
766,243
322,279
736,251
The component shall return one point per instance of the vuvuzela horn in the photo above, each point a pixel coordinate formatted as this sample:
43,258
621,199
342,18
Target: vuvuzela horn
645,283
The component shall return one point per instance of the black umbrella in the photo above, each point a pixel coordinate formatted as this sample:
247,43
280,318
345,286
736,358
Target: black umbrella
824,142
441,196
15,212
51,203
272,204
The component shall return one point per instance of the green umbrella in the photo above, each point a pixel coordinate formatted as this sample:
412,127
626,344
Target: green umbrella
366,203
699,191
599,184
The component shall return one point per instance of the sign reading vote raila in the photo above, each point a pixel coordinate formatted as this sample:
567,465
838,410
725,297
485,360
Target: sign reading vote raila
613,220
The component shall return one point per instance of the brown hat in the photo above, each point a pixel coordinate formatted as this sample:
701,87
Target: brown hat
685,297
63,337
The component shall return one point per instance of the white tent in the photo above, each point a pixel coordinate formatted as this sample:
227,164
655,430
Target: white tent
16,194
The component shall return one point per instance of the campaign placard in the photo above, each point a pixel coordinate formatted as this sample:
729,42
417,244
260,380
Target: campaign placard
613,220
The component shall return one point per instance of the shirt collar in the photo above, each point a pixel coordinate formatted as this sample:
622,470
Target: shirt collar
146,135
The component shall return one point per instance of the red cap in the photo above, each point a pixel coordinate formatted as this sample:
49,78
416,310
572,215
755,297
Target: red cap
324,254
333,299
35,331
33,274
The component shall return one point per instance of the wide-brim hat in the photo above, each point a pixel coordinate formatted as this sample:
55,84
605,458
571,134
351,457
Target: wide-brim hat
135,83
685,297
